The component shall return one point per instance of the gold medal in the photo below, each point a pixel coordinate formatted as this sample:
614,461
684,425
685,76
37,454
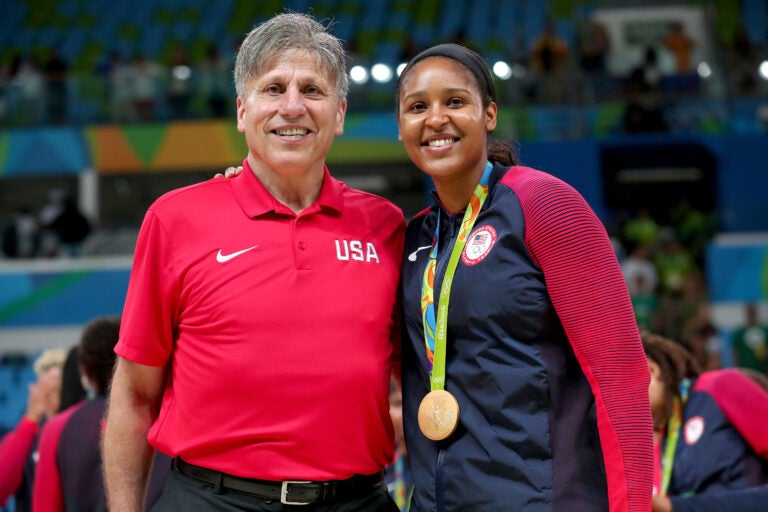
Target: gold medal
438,414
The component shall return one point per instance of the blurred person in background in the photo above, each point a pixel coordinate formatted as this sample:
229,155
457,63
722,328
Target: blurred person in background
549,56
69,469
744,53
71,227
641,229
709,430
253,424
645,304
180,83
681,45
639,263
72,390
145,76
18,448
680,291
50,244
29,85
595,46
693,228
750,341
56,72
21,236
120,92
214,81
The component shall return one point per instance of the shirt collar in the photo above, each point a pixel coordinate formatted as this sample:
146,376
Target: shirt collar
255,199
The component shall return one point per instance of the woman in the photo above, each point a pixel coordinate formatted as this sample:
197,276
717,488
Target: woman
529,392
710,432
18,448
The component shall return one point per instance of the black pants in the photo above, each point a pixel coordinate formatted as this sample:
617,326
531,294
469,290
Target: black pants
184,494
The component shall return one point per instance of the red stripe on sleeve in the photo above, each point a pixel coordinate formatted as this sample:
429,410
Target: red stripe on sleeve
589,294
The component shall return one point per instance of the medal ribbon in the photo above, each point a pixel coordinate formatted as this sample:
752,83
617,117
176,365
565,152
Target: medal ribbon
436,324
400,494
675,424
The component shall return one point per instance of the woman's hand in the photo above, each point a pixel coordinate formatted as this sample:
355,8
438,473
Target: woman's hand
44,394
661,504
230,172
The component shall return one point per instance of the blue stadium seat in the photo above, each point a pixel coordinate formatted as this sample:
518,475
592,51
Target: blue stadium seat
755,16
534,19
374,15
450,23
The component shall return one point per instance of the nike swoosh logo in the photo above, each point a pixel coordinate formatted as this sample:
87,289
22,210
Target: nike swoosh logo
223,258
412,256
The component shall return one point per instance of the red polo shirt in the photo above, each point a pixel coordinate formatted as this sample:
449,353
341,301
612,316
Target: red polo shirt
279,327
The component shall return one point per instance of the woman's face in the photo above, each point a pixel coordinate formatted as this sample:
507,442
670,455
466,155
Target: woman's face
442,121
657,394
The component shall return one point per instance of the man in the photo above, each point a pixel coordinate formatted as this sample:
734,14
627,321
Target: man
256,333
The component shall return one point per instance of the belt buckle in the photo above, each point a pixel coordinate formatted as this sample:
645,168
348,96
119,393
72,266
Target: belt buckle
284,492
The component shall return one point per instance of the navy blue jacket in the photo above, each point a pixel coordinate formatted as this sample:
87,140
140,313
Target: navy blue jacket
717,450
543,357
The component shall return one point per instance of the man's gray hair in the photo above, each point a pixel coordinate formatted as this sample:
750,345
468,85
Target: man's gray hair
290,31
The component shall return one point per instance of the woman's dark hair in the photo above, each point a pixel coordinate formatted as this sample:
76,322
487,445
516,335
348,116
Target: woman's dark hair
97,351
72,390
675,361
503,153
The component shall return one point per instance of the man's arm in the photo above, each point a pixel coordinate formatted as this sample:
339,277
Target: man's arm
134,402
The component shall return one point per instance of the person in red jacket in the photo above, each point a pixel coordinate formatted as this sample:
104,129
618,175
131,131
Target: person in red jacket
17,447
68,475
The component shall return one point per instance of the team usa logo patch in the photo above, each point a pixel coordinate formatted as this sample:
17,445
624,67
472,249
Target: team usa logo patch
479,245
693,430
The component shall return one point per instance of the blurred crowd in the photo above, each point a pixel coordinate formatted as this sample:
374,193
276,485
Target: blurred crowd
38,88
58,228
664,267
41,87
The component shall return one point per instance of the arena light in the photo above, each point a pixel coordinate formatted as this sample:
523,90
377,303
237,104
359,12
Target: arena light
518,70
704,70
358,74
181,72
763,69
502,70
381,73
400,68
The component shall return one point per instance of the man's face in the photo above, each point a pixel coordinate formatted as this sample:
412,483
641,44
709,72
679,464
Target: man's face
290,114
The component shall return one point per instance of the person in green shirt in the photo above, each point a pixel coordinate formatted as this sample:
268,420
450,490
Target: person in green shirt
750,342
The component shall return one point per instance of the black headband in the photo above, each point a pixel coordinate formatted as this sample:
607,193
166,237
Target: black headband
464,56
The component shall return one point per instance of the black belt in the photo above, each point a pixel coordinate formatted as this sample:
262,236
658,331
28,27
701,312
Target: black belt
288,492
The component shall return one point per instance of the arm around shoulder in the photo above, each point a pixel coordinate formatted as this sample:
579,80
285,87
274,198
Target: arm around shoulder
134,402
